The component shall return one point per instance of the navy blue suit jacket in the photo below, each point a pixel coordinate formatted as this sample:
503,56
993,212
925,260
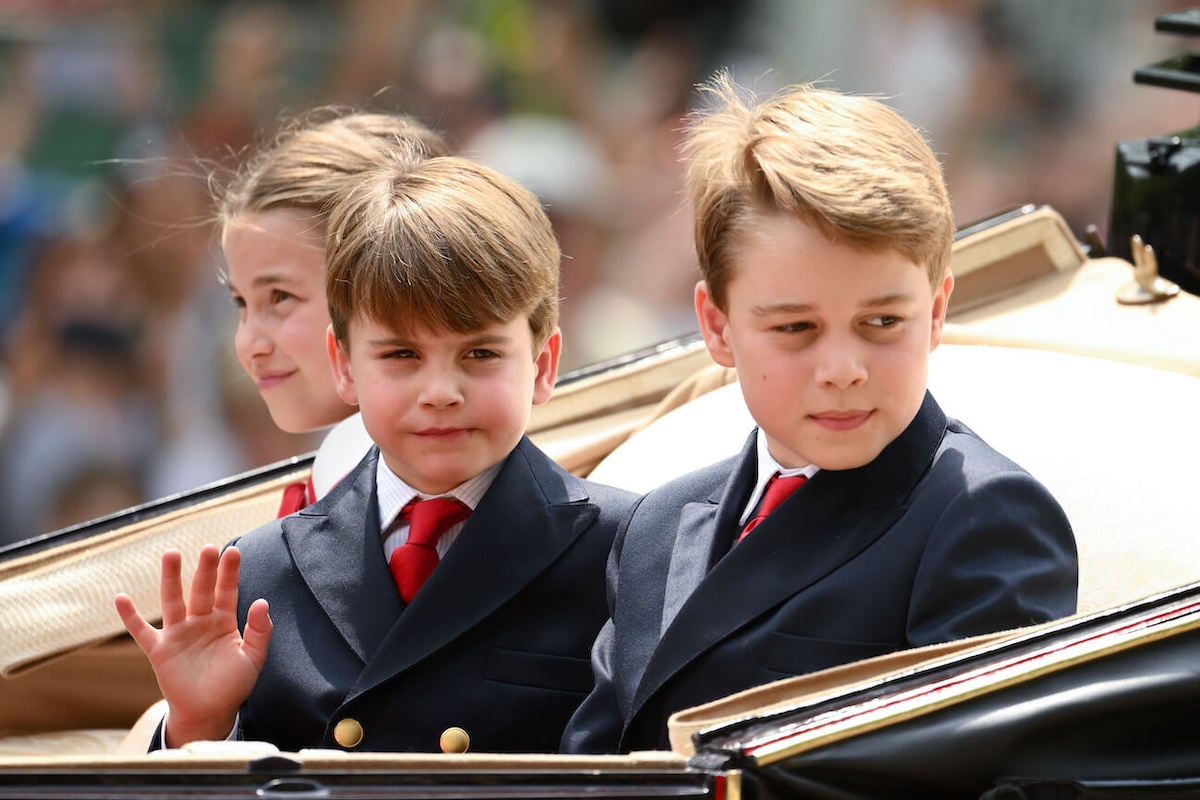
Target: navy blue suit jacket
496,642
940,537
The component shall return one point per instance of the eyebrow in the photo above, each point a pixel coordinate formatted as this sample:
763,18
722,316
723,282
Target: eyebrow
268,279
402,341
887,300
259,281
782,308
489,338
882,301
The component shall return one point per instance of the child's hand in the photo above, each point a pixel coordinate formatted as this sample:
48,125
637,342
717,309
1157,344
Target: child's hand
205,668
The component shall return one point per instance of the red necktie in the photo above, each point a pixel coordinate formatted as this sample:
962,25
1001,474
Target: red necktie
412,562
778,488
295,497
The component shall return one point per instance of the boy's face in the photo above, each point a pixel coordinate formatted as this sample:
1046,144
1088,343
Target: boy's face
444,406
831,342
276,263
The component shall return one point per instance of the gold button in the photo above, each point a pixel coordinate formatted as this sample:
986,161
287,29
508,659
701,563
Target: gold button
348,733
454,740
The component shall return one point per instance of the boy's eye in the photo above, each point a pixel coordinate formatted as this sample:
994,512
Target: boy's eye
279,296
402,353
480,353
794,327
882,321
237,300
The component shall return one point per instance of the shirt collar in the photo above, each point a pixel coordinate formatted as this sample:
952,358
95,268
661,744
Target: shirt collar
394,494
767,467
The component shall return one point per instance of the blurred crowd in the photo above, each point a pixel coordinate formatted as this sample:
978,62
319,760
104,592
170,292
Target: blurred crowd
117,378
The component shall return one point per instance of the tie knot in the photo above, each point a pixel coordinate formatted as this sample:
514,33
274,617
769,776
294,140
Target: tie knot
778,488
429,519
413,562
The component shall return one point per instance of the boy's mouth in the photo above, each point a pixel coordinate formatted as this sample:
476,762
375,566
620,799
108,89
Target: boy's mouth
841,420
269,380
442,433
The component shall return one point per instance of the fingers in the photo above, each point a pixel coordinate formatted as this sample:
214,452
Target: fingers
201,594
257,634
171,589
143,634
226,594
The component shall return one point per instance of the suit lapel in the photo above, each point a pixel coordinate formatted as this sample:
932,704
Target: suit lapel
705,534
529,516
337,550
827,522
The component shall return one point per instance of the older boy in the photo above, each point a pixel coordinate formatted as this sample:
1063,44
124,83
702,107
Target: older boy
823,229
442,286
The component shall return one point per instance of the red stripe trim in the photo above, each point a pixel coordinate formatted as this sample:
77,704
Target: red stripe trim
835,718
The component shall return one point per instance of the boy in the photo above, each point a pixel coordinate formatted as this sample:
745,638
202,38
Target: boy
823,230
442,287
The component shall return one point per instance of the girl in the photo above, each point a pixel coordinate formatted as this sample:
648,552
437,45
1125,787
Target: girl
273,216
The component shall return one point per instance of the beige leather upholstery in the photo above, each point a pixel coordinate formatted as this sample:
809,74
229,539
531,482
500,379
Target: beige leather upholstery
65,663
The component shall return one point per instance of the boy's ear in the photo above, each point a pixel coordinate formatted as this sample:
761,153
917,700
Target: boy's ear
546,362
941,302
713,324
339,360
331,347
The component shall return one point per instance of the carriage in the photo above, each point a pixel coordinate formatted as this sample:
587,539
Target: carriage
1070,361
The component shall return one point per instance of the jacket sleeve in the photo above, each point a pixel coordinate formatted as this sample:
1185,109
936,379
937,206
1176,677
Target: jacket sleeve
597,725
1001,555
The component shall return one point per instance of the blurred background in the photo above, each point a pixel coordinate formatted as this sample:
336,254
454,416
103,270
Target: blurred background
117,377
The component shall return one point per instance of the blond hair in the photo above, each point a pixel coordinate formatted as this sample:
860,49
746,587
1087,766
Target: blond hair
305,164
851,166
447,245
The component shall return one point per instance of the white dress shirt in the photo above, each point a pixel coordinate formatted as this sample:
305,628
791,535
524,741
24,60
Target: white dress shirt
394,494
767,467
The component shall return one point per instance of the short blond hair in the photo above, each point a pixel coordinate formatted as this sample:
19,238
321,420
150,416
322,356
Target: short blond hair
305,164
849,165
447,245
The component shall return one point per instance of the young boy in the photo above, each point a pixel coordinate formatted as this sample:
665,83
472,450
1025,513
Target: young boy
442,286
823,229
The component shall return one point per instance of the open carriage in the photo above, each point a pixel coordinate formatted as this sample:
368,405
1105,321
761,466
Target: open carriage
1040,357
1083,368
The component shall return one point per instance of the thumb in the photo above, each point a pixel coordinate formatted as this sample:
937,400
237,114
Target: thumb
257,635
135,624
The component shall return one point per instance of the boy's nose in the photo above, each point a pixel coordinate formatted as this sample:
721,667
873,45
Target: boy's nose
441,389
841,367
